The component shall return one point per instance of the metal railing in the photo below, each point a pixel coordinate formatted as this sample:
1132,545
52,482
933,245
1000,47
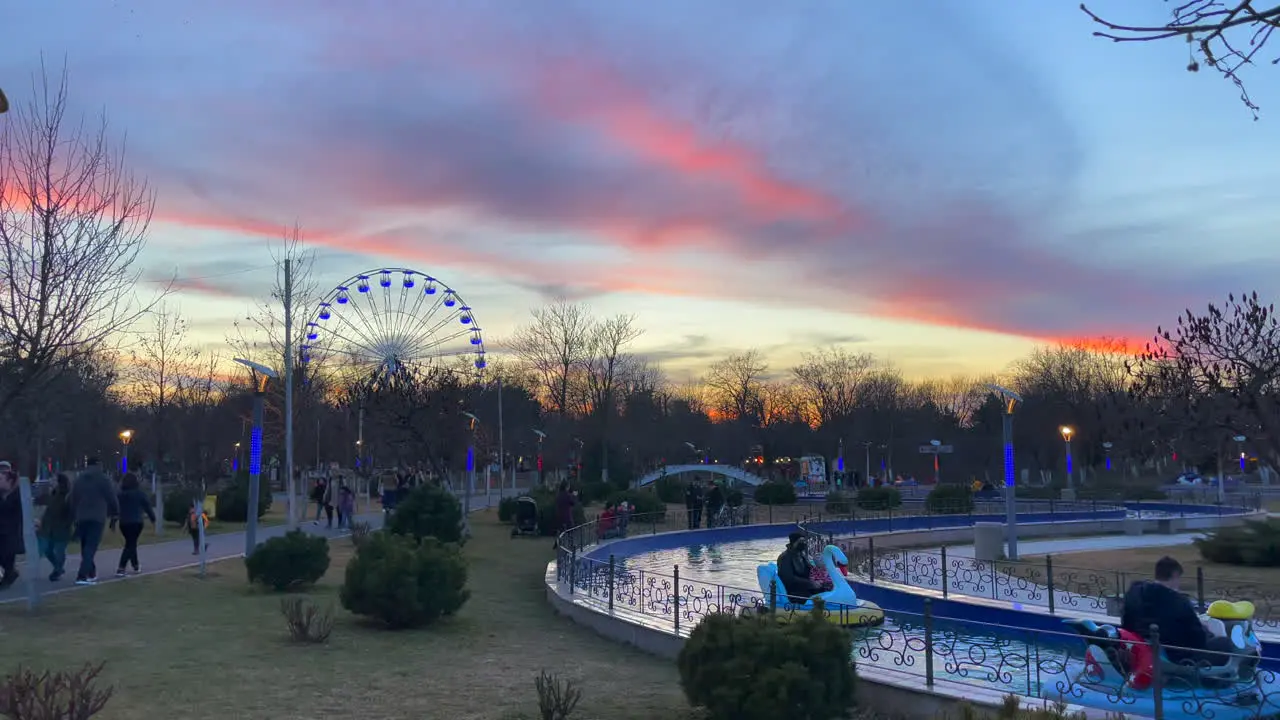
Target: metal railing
928,649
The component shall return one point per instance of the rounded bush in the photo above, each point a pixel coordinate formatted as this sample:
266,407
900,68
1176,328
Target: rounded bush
548,524
646,503
670,489
1255,544
879,498
289,562
402,583
734,498
233,500
428,511
800,669
949,500
838,503
177,503
507,510
775,493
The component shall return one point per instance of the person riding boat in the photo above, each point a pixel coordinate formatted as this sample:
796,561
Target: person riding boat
1182,635
794,568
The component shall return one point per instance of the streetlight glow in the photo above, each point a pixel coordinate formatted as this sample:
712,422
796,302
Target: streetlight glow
1067,431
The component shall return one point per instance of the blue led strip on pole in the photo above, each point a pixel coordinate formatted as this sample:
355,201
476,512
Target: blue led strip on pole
1008,465
471,459
255,451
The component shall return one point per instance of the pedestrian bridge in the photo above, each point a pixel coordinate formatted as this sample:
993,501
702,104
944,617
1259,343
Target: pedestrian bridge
729,471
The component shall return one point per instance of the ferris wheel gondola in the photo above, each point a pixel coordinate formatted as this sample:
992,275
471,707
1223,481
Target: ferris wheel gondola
386,322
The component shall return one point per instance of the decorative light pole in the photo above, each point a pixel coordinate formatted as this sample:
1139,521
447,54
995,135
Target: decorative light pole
937,473
1240,448
1067,431
1011,400
235,461
471,464
840,463
866,479
1106,449
541,436
261,374
125,437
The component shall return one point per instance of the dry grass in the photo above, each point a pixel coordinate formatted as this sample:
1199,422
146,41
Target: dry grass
218,649
1139,563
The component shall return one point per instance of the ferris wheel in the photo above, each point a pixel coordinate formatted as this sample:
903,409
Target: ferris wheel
381,323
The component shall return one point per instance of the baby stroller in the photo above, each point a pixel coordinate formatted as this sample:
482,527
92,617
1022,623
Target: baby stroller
526,516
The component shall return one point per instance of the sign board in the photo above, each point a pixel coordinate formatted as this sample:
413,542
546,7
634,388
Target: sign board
936,449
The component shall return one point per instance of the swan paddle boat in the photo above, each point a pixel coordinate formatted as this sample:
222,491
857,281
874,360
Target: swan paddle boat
1119,662
841,604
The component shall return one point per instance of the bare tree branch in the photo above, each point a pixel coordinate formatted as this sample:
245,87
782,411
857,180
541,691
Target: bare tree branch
72,224
1224,36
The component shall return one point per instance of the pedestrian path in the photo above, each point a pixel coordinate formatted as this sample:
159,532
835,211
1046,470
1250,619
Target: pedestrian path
177,554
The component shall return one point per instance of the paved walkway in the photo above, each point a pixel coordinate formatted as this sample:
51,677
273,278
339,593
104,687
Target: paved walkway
176,554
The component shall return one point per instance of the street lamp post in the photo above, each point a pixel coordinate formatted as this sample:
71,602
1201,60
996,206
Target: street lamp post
840,463
1067,431
471,469
235,466
1011,400
937,473
261,374
1106,449
542,480
1240,449
125,437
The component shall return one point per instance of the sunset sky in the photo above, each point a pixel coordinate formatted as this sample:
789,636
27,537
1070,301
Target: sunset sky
942,183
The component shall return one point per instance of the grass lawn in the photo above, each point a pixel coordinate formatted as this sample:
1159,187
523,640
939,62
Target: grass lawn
216,648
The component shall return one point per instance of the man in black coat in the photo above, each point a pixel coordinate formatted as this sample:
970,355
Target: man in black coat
11,543
794,568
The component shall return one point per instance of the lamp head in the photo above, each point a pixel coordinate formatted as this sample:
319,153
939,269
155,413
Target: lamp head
261,373
692,446
1067,431
126,436
1107,446
1011,398
1239,438
541,435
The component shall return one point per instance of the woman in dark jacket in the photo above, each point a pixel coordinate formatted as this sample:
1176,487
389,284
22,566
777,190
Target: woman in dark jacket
11,545
134,505
55,527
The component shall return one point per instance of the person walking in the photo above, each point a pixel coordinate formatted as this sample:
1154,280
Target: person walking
11,544
93,502
346,506
134,506
317,497
54,530
326,500
194,524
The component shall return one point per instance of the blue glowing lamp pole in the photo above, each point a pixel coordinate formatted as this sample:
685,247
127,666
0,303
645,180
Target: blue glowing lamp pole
1010,400
471,472
261,374
1240,449
125,437
1067,431
1106,448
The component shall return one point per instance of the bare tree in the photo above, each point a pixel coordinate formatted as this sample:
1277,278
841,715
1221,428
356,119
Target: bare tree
1220,373
555,345
829,381
160,362
1225,35
72,223
735,385
607,361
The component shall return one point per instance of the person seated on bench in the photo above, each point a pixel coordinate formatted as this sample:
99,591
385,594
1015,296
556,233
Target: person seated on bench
1182,635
